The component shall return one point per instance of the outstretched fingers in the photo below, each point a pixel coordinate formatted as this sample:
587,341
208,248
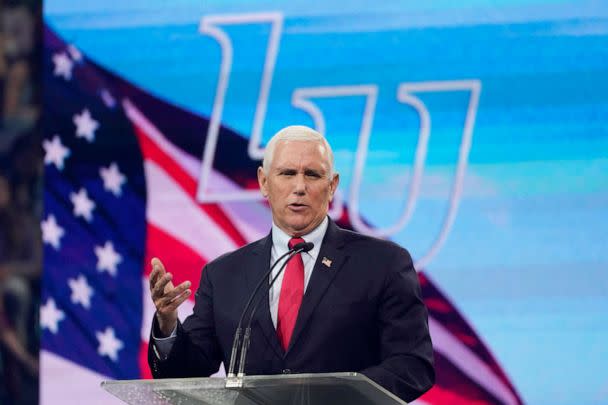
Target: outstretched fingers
165,296
171,295
179,298
162,286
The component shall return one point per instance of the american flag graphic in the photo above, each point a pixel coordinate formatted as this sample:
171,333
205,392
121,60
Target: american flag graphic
121,170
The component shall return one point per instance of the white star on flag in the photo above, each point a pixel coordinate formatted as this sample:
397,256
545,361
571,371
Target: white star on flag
113,179
50,316
63,65
52,232
54,152
85,125
107,258
83,205
74,53
109,345
81,291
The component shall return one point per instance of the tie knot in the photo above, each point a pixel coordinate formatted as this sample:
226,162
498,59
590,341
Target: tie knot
294,241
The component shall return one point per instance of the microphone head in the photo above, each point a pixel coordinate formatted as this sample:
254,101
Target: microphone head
303,246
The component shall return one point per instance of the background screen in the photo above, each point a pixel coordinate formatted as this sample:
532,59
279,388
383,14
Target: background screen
472,133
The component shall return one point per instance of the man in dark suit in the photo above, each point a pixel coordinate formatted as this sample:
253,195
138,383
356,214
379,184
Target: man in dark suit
352,303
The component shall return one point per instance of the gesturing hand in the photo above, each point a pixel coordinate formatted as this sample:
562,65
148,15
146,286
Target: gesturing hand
166,296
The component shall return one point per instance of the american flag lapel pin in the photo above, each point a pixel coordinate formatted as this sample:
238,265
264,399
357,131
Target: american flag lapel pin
326,262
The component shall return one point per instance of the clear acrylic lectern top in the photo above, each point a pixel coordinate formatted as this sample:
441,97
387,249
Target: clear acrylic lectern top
285,389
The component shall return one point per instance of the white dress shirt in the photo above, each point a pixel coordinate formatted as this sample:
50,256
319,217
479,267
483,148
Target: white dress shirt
280,246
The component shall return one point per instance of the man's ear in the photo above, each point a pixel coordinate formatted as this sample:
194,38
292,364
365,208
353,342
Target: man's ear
334,186
262,179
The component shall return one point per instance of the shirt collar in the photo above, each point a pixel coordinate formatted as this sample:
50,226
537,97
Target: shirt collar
280,239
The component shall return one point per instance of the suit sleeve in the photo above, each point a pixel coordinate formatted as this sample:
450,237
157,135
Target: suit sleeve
195,351
406,368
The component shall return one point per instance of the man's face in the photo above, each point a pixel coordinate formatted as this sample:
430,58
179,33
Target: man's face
298,186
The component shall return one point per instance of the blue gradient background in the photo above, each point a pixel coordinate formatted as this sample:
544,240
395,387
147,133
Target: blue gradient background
526,259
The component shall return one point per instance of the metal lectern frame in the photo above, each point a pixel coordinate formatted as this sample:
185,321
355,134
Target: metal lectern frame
284,389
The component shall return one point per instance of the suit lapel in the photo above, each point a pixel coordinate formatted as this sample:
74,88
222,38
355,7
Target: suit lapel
323,274
260,265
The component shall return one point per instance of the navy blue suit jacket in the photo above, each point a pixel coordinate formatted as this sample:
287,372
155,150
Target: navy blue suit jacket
364,313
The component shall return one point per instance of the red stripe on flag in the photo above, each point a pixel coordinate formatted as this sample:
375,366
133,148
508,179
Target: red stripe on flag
143,361
441,396
437,305
454,387
179,259
152,152
467,339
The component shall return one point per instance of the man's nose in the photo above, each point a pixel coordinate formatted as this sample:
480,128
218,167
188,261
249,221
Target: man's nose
300,185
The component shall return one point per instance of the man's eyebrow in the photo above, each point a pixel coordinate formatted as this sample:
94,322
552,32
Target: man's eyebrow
314,171
306,170
283,168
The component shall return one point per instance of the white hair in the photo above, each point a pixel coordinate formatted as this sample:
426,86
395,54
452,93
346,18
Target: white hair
296,133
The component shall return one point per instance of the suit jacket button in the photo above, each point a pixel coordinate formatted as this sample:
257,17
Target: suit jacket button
286,371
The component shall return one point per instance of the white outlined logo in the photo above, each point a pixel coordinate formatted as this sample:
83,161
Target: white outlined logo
303,98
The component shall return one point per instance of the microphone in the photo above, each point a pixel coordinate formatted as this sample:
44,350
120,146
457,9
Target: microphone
297,249
237,335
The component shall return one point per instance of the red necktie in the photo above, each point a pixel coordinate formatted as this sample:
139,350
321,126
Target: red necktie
292,291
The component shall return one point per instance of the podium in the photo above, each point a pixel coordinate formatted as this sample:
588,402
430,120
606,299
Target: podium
284,389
